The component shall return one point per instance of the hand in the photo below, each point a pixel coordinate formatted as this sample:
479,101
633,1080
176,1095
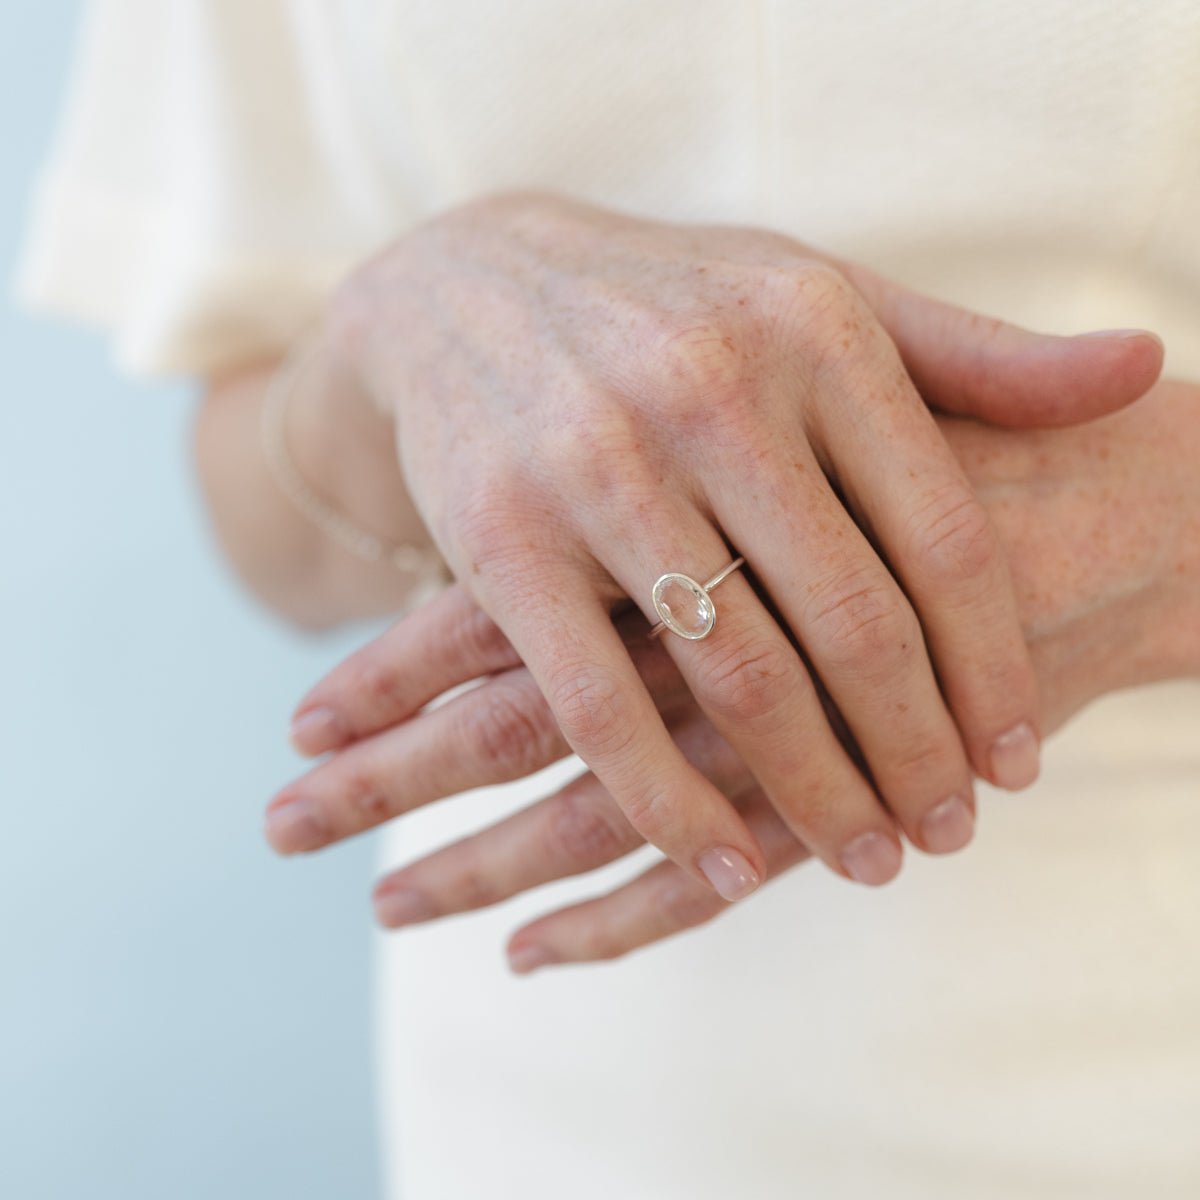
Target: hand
584,401
1102,528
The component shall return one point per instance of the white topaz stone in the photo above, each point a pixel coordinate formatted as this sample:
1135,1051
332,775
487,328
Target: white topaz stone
684,606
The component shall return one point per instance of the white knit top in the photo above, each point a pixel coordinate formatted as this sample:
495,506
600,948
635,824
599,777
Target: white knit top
1020,1021
220,163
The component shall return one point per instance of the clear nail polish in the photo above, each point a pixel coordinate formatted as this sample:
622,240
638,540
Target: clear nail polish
729,872
295,825
1117,334
396,906
1016,758
316,731
872,858
948,826
524,959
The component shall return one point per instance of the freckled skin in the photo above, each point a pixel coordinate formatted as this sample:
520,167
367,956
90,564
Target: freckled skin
1101,526
1102,529
583,400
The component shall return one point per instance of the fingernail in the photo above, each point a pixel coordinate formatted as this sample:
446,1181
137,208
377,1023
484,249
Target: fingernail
1016,758
402,906
872,859
316,730
524,959
947,826
1118,333
729,872
295,825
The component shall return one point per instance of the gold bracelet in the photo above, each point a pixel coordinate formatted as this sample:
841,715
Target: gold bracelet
334,524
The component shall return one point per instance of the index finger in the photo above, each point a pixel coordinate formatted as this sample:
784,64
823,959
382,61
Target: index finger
448,641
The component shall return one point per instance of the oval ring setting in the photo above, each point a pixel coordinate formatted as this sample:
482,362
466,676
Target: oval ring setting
684,606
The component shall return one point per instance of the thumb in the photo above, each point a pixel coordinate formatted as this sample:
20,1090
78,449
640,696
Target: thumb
980,367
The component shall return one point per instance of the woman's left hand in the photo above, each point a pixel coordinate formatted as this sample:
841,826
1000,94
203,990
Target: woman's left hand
1088,572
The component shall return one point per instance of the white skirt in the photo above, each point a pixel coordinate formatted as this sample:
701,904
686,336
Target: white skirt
1019,1021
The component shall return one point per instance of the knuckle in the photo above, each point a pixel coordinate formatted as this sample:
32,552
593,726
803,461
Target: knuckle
952,535
580,832
701,371
591,708
478,638
821,319
596,451
381,686
600,943
482,518
592,427
683,904
822,286
856,621
747,680
1001,690
367,803
507,730
815,811
810,295
924,758
474,886
652,814
1013,681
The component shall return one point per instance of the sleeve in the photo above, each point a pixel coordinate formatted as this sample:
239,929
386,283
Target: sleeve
208,183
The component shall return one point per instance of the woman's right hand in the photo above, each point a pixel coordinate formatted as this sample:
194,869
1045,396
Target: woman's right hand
584,401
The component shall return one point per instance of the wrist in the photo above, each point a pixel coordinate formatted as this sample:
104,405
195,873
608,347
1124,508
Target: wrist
359,547
345,449
1173,639
1176,639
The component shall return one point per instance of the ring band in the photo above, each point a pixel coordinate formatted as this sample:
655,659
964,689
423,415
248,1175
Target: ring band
684,605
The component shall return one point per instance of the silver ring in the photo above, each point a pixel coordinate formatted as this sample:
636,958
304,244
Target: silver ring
684,605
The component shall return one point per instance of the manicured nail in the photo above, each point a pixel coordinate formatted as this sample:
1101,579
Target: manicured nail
316,731
1119,333
729,872
947,826
1016,758
396,906
872,859
295,825
524,959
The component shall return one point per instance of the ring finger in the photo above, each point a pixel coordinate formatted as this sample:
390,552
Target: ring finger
753,685
862,637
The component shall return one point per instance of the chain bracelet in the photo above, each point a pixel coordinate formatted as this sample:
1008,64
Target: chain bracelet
335,525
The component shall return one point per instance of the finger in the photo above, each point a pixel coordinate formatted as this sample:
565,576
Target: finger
860,635
965,363
754,687
499,731
609,719
444,643
575,829
447,642
941,542
657,904
566,638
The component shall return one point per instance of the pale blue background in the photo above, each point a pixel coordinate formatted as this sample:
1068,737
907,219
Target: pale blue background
181,1014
